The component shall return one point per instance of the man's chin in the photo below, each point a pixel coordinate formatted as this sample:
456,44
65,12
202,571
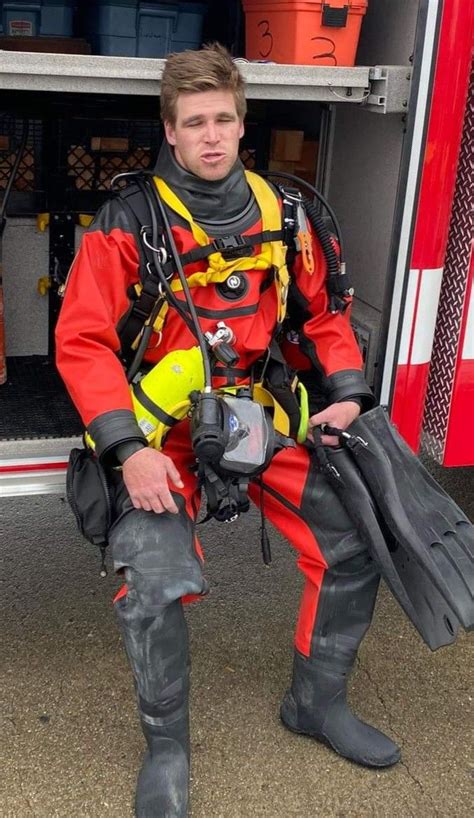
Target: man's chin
213,172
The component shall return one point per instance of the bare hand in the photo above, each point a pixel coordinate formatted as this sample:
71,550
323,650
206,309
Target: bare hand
146,474
340,415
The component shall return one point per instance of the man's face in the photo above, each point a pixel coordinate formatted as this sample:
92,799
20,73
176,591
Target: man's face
206,133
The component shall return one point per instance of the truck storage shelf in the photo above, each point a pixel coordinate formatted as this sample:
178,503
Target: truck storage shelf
35,466
383,88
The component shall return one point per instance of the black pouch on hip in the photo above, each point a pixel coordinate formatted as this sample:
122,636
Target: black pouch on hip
89,496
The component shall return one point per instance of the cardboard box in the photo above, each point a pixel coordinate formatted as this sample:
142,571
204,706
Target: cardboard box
306,166
109,144
309,154
276,166
286,146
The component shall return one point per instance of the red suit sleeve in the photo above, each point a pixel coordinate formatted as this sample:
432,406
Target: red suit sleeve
95,298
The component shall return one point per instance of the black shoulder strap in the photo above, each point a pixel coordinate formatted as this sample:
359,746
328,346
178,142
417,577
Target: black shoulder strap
135,203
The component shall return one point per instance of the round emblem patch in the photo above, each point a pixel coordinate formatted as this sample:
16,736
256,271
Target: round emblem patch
236,286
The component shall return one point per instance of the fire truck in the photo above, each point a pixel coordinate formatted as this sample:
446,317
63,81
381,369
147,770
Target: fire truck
394,136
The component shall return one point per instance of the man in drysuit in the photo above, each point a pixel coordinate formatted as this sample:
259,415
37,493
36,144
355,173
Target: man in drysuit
153,538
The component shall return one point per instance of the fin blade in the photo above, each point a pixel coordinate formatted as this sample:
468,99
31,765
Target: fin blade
430,613
422,518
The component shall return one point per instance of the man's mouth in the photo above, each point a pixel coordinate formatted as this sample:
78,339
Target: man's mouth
212,156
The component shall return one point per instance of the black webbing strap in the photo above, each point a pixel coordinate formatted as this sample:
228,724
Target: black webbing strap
131,324
134,202
231,373
153,408
229,246
227,496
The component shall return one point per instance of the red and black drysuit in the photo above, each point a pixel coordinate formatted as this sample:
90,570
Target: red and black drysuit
106,268
160,554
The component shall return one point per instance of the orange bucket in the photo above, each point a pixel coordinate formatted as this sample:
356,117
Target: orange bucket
303,32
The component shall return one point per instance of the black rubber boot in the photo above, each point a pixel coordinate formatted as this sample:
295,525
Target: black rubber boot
316,703
156,641
163,780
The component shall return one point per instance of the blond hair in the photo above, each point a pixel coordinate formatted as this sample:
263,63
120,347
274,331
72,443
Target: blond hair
211,68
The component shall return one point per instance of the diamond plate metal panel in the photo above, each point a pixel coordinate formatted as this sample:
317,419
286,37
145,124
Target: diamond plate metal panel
452,296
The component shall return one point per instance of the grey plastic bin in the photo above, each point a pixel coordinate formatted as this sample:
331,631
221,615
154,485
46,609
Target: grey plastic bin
144,29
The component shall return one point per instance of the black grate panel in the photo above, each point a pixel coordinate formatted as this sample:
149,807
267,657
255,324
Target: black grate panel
248,158
34,402
97,150
27,177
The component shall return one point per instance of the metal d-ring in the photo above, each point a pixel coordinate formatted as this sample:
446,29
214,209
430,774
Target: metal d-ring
162,254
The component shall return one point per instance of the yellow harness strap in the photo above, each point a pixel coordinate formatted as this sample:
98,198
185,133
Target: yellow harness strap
272,254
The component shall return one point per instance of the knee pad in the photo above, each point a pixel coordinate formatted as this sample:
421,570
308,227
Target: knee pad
158,551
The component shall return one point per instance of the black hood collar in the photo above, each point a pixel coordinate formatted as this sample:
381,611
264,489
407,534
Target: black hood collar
207,201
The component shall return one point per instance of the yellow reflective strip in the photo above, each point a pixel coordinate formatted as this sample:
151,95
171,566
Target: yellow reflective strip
89,441
160,318
304,416
281,421
271,220
266,200
42,221
177,205
201,279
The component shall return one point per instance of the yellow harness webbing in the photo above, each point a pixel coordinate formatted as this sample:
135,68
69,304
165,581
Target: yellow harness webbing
272,254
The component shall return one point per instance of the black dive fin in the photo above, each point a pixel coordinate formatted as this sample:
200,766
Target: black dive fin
420,517
430,613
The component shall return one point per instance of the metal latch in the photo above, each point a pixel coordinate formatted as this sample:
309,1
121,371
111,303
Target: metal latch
389,89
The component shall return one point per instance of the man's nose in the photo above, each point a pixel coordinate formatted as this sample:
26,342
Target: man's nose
212,134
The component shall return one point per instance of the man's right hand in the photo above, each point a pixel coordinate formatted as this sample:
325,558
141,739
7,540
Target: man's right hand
146,474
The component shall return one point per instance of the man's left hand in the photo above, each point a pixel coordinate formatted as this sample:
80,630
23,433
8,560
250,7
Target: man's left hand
340,415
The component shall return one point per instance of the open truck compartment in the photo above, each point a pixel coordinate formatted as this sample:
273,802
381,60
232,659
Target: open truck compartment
89,118
72,153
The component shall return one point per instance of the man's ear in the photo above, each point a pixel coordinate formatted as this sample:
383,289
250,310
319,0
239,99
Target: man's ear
170,133
242,129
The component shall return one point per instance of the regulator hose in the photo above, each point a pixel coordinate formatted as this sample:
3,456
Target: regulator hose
338,284
324,237
317,194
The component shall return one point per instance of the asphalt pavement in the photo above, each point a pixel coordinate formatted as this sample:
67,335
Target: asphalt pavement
70,742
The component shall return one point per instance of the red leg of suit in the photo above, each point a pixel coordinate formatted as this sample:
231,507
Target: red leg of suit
303,508
284,483
301,504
